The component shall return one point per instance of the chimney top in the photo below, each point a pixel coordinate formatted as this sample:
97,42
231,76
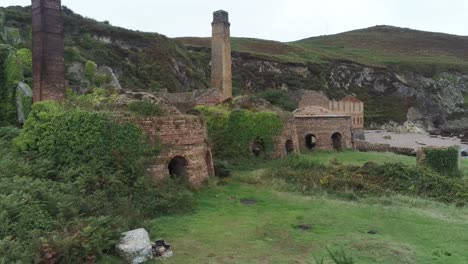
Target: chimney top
220,16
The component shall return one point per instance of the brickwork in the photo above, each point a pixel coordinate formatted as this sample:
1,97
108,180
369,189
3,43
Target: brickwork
48,60
349,105
221,74
323,128
287,142
179,136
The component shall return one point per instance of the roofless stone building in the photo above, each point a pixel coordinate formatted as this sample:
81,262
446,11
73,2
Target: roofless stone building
48,60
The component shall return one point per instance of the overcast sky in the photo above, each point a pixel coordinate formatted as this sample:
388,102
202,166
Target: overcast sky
283,20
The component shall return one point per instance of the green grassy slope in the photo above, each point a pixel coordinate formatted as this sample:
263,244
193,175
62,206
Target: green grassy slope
223,230
376,46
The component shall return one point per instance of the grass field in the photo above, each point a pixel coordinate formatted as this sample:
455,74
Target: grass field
464,167
223,230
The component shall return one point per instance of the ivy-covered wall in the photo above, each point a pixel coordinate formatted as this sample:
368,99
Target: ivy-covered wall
15,67
442,160
232,132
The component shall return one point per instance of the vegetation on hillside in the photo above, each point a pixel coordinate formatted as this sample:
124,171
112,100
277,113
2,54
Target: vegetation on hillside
143,61
71,181
381,46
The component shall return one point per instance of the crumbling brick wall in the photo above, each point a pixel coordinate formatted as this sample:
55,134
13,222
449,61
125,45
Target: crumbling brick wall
323,127
287,142
179,136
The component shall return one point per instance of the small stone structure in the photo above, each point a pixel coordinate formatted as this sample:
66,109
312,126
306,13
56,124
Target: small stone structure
48,49
185,149
349,105
221,74
320,129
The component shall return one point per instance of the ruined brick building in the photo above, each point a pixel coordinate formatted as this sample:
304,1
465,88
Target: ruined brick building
183,138
347,106
319,123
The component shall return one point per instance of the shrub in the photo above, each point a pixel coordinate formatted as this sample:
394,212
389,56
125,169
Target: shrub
9,133
77,181
90,71
442,160
232,132
279,98
144,108
309,176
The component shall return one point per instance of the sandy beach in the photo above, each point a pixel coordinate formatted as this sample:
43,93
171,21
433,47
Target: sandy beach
411,140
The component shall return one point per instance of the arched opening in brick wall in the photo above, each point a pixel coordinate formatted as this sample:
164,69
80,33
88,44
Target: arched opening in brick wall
337,139
178,167
258,147
289,145
311,141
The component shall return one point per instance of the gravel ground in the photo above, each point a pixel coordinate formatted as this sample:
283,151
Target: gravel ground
411,140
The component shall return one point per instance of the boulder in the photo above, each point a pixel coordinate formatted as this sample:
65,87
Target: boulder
114,82
24,96
135,246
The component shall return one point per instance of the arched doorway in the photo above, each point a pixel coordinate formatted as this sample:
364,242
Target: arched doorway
258,147
178,167
289,145
337,139
311,141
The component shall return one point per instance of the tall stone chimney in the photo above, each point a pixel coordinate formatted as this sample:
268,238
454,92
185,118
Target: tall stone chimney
48,61
221,75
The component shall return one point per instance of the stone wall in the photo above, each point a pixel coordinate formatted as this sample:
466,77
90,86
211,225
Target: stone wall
179,136
221,73
48,49
367,146
323,127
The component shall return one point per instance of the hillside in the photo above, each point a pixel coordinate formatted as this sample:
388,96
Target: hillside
142,61
400,74
376,46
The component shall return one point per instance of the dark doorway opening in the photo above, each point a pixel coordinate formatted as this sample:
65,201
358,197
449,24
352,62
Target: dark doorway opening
258,147
289,145
311,141
178,167
337,139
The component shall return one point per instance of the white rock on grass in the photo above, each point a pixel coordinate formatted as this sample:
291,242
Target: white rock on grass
135,246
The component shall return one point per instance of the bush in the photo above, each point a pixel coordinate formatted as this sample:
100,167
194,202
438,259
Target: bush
9,133
278,98
77,182
233,132
309,176
144,108
442,160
